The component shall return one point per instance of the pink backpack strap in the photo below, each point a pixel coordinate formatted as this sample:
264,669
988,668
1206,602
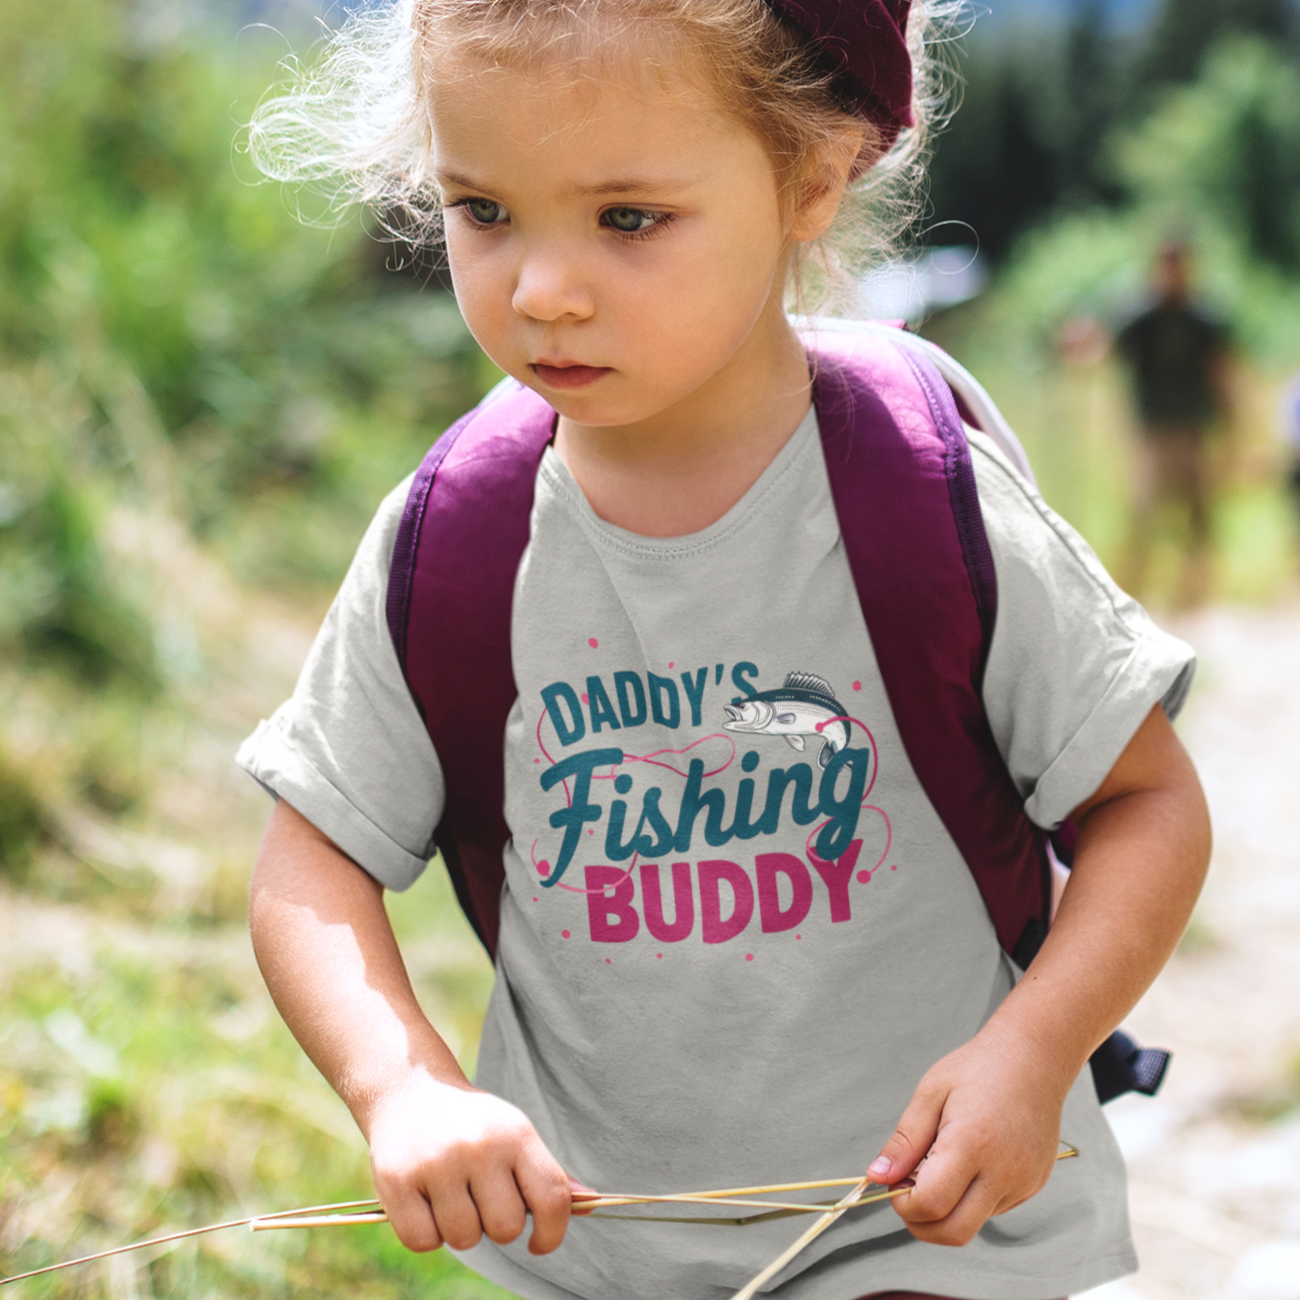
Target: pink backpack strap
450,596
904,490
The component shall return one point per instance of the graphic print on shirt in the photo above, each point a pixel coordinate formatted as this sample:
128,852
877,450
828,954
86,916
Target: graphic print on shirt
804,707
622,814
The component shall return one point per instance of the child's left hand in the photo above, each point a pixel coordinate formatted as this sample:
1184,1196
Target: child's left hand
980,1136
986,1119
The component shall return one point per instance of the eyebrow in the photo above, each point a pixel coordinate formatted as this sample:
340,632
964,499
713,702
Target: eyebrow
619,185
635,185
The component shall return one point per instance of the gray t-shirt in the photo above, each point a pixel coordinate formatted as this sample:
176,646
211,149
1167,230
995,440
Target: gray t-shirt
734,931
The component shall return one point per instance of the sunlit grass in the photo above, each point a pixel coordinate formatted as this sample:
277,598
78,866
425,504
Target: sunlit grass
148,1085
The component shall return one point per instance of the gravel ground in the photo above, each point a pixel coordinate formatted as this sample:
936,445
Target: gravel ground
1215,1159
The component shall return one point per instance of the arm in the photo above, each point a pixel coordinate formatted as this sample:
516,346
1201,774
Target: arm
449,1161
986,1118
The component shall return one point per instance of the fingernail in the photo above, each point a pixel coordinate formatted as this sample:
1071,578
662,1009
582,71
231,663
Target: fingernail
880,1167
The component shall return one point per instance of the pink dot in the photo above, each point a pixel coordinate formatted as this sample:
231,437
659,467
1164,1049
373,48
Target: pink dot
864,877
798,936
566,934
590,831
857,686
749,956
534,900
537,760
670,663
659,956
543,868
584,697
592,642
606,961
893,868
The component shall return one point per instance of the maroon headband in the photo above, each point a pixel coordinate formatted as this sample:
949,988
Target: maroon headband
865,43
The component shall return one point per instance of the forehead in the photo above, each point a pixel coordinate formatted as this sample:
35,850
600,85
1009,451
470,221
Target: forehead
582,122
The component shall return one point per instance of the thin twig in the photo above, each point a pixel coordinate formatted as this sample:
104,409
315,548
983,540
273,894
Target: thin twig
289,1220
176,1236
747,1292
855,1197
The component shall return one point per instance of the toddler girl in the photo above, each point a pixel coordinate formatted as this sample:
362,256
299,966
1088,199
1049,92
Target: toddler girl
627,190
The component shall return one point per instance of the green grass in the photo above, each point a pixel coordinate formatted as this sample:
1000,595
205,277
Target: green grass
153,1088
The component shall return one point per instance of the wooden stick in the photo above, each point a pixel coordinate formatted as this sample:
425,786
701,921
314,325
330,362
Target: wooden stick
316,1221
853,1198
769,1190
170,1237
288,1219
747,1292
313,1216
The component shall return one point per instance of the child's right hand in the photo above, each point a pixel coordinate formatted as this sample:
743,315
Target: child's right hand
451,1163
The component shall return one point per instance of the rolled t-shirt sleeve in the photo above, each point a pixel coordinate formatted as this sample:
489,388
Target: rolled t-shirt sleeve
349,749
1075,665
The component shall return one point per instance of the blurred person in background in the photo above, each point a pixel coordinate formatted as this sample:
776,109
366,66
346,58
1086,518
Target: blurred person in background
1177,354
1291,433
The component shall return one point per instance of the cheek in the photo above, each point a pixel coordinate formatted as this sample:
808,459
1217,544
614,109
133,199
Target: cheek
711,282
479,282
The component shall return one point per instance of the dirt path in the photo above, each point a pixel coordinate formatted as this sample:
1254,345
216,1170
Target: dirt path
1215,1159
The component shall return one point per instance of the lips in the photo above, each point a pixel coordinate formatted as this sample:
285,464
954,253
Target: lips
567,374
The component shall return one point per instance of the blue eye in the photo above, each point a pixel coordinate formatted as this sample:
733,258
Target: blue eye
484,212
631,221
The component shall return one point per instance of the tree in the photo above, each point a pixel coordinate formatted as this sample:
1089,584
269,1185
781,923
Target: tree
1185,29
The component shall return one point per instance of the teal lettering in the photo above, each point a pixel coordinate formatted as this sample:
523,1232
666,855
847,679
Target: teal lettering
800,776
738,675
695,694
692,801
741,827
665,706
580,810
602,711
834,839
631,698
640,842
552,696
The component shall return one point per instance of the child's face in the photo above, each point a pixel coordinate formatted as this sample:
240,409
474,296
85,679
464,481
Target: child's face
612,246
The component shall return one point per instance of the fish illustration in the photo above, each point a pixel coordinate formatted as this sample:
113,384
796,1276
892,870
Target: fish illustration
804,706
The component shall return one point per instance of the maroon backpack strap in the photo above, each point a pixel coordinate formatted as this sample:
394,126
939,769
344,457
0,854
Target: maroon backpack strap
904,491
450,596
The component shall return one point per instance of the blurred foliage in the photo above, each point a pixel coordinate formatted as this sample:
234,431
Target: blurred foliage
22,819
1039,105
1079,150
141,1092
138,249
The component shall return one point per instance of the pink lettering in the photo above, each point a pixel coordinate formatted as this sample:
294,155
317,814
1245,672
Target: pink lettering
609,905
770,866
653,904
836,876
712,874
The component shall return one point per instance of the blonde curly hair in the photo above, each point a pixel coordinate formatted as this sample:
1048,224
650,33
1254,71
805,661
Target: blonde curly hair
355,125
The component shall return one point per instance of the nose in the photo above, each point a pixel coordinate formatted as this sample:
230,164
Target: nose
551,285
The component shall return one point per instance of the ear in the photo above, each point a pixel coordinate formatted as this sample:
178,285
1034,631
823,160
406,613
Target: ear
824,181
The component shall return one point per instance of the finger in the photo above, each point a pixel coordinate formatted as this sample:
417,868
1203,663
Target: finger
942,1180
578,1192
499,1204
548,1192
456,1216
912,1138
968,1216
410,1215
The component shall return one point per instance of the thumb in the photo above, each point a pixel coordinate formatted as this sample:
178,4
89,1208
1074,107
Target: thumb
911,1140
580,1193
